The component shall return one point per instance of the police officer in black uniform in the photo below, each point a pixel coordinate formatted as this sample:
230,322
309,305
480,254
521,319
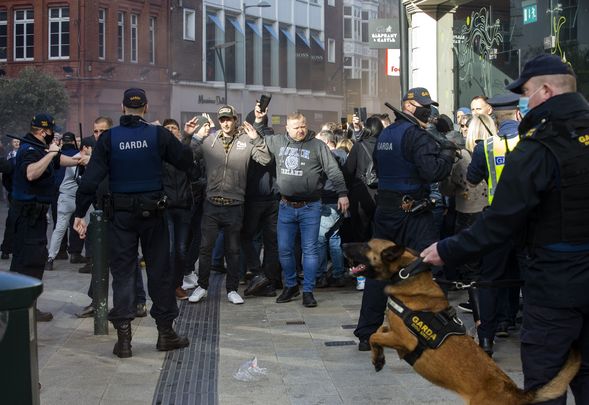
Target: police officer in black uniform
407,160
132,155
543,191
37,160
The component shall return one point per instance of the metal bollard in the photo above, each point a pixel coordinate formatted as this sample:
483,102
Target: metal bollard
98,238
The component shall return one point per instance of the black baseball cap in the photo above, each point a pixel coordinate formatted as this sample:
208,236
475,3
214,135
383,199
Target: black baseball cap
421,95
45,121
68,137
227,111
541,65
134,98
506,101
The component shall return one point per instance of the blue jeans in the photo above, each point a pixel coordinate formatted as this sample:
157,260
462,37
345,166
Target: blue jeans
329,220
290,221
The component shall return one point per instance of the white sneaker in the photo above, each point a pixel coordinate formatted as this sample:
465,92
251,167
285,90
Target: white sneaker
190,281
234,298
360,282
197,294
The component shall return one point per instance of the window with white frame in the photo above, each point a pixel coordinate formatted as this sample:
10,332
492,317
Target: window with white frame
121,36
152,26
331,3
24,31
331,50
3,34
101,33
134,40
59,33
348,22
189,24
364,26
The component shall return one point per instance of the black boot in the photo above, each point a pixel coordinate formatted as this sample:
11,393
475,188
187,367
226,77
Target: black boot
168,339
487,345
309,300
123,346
288,293
256,285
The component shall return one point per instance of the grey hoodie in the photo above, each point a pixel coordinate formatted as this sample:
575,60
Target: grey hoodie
300,166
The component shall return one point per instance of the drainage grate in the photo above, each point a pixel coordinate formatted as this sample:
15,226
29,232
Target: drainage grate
348,326
295,322
341,343
189,376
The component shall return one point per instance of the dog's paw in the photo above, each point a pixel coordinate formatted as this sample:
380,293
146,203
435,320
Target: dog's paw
379,363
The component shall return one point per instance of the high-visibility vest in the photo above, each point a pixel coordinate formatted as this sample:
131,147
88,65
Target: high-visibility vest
496,148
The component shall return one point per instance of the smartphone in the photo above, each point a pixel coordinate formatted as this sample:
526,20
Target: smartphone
264,102
344,121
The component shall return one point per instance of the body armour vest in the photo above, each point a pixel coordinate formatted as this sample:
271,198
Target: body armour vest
395,173
40,190
135,162
563,216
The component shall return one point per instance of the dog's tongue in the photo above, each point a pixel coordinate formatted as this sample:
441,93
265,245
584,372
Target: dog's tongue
357,269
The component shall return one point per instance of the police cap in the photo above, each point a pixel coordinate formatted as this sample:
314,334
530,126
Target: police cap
45,121
541,65
421,95
507,101
134,98
68,137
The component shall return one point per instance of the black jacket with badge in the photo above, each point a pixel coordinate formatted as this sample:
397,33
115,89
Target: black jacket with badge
542,199
167,147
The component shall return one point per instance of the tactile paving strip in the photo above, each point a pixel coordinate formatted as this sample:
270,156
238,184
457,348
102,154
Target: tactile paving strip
189,376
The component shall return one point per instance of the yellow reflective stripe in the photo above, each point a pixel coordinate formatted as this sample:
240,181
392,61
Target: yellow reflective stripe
495,148
493,178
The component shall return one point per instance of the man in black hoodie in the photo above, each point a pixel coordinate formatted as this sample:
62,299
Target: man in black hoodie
543,196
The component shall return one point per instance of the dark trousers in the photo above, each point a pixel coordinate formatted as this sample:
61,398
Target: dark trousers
261,216
229,219
498,305
140,296
126,230
178,221
195,234
468,271
409,230
7,241
30,239
547,335
362,208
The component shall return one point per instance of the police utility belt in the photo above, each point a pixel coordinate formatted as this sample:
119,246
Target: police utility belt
406,202
430,328
141,204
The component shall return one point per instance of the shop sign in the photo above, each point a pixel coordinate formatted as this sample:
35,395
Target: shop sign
384,33
530,11
393,62
216,100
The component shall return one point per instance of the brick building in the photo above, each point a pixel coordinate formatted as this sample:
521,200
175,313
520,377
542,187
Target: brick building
97,48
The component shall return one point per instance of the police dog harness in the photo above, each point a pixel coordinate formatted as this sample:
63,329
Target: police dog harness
430,328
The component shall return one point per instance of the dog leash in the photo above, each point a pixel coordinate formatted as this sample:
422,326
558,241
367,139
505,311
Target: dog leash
459,285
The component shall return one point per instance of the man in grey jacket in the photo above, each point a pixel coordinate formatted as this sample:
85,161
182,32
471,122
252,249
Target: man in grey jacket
301,163
227,156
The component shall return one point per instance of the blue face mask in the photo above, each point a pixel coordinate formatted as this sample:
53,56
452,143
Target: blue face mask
524,101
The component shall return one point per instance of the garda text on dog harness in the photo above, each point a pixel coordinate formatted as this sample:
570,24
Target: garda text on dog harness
430,328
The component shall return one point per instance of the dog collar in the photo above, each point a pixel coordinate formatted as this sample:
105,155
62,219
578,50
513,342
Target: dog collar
415,267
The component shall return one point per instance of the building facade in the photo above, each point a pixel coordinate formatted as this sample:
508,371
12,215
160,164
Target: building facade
288,49
481,45
97,48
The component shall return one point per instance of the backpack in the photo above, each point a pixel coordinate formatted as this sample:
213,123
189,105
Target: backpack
369,178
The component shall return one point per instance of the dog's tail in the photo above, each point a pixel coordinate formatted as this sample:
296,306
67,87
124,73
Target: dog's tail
558,385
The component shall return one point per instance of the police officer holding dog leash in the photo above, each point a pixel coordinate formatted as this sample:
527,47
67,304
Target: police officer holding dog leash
132,155
544,191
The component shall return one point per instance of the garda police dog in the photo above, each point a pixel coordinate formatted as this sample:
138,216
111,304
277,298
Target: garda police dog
458,363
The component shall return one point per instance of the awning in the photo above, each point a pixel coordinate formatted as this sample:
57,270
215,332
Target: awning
303,37
217,22
318,41
236,24
271,30
288,35
254,28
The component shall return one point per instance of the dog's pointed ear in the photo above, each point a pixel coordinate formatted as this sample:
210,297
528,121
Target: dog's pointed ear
392,253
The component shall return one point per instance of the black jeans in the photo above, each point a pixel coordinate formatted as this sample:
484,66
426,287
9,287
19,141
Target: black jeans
194,235
178,221
547,335
30,239
261,216
7,241
409,230
214,218
468,271
126,230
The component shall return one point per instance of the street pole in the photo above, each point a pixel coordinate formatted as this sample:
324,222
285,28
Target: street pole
218,52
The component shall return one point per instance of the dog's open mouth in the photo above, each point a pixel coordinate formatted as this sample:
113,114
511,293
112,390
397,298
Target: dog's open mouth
359,269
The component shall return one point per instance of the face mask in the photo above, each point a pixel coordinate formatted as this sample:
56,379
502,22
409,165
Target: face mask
422,113
49,139
524,101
